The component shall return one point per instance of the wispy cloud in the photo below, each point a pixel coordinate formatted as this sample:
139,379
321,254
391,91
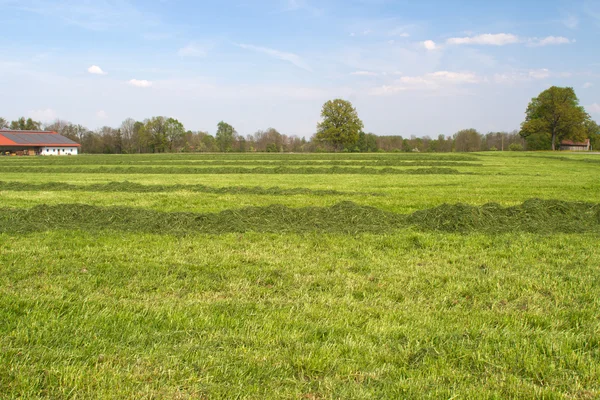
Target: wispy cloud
489,39
98,15
43,115
571,21
517,76
400,31
503,39
543,73
303,5
142,83
588,85
549,40
430,81
96,70
364,73
193,49
592,9
280,55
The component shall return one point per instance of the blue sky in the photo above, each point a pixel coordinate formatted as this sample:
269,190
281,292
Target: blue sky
410,68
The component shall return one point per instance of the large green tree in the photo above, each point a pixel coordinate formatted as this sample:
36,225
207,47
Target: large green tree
555,114
225,136
174,131
340,126
155,134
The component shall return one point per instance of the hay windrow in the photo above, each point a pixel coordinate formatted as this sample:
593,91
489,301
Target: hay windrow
345,217
262,163
533,216
123,159
132,187
235,170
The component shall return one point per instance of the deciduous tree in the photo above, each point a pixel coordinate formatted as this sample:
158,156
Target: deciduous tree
174,132
467,140
23,124
555,113
225,136
340,126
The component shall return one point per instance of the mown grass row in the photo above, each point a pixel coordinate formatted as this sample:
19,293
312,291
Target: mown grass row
232,170
244,157
533,216
132,187
55,161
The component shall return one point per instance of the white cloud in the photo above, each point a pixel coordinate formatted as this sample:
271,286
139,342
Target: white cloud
502,39
289,57
96,70
498,39
455,77
594,108
101,114
588,85
431,81
416,80
429,45
549,40
516,76
140,83
543,73
43,115
364,73
192,50
388,90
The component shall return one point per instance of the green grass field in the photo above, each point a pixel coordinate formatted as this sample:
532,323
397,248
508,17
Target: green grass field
300,276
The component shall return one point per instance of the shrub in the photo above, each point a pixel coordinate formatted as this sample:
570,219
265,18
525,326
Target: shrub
515,147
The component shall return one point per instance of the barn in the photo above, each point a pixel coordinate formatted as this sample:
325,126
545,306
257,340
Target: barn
575,146
31,143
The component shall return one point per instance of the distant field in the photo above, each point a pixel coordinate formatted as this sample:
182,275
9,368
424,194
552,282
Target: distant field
300,276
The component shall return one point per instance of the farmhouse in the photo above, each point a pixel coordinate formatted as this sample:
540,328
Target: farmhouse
575,146
31,143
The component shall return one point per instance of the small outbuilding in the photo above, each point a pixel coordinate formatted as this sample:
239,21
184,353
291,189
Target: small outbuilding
32,143
575,146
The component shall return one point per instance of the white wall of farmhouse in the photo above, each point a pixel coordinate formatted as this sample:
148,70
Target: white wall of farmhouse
58,151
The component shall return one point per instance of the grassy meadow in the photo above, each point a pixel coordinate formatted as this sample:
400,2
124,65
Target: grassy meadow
300,276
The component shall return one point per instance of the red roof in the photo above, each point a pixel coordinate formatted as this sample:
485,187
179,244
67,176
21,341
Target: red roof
572,143
35,139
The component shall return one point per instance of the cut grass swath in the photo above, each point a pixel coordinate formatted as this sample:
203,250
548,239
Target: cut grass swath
234,170
132,187
534,216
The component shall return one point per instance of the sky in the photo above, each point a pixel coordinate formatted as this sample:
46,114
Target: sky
410,68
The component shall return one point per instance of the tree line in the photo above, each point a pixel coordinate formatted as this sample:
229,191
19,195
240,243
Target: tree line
553,116
162,135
